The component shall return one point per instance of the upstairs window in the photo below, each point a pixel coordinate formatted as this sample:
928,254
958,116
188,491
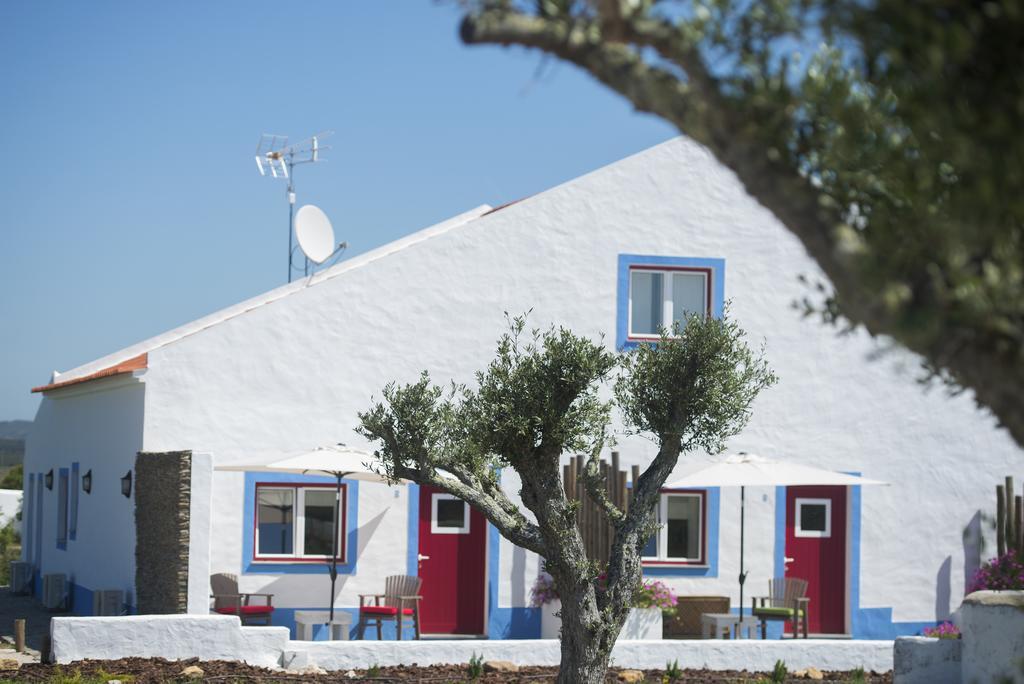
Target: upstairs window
297,522
680,537
660,297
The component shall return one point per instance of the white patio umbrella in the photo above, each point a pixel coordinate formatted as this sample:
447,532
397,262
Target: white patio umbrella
747,470
340,462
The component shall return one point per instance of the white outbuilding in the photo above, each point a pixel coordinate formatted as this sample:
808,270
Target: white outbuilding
617,252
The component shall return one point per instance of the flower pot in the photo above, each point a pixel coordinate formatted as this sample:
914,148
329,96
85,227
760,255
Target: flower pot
642,624
550,624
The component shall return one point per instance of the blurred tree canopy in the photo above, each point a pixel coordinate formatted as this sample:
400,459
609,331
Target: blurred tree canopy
886,135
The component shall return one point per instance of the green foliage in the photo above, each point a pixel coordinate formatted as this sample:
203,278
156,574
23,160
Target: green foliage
884,134
373,671
696,384
538,396
13,478
857,676
672,671
475,669
10,550
779,672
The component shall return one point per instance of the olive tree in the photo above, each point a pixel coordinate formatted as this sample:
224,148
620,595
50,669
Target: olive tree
540,399
884,134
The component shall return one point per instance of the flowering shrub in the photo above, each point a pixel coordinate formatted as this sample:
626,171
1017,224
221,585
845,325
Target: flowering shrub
543,590
1003,572
947,630
652,593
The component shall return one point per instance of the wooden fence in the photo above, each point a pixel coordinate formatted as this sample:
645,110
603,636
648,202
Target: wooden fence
590,518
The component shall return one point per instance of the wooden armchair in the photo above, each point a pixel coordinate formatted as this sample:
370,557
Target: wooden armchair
228,601
787,600
399,601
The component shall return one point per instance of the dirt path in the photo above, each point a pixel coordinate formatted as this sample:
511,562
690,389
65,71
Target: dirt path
37,624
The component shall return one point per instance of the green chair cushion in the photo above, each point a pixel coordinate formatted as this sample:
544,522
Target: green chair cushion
776,612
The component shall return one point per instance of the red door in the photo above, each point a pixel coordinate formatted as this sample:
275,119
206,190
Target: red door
453,546
816,543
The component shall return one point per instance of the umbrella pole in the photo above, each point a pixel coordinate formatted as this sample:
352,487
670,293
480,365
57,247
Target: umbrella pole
334,542
743,575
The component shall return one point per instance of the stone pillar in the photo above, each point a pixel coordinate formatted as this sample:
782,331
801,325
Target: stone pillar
163,485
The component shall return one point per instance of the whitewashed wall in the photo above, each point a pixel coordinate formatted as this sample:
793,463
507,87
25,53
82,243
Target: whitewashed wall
10,504
294,372
99,425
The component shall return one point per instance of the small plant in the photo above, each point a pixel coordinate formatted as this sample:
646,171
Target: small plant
779,672
655,594
1003,572
857,676
373,671
946,630
476,666
543,591
673,671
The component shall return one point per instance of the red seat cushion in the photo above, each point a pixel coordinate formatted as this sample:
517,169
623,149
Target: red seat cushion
245,610
384,610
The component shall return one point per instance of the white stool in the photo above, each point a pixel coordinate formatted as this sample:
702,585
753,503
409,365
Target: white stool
306,619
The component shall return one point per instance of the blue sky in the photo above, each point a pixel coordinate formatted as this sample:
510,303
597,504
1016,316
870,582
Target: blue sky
129,199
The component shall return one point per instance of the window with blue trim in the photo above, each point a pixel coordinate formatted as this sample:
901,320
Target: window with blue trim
295,522
682,532
655,292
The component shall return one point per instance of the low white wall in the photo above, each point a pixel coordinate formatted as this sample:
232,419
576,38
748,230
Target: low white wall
992,625
753,655
926,660
175,637
10,502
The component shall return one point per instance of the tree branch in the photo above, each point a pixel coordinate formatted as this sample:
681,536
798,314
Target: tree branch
514,527
590,477
698,108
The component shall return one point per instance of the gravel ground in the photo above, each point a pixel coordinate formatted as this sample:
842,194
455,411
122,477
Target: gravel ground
153,670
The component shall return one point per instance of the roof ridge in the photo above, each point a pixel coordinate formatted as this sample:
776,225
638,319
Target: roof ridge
113,360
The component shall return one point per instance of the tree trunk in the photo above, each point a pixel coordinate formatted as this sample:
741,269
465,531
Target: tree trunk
587,637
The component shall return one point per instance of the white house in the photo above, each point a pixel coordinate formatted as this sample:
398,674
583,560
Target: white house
618,251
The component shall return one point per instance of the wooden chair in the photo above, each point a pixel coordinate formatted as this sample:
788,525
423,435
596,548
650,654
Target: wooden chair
401,600
787,600
228,601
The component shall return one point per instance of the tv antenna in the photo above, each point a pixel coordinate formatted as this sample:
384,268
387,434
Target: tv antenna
276,157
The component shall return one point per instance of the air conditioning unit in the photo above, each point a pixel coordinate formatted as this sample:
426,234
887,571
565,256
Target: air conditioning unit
108,602
21,577
55,590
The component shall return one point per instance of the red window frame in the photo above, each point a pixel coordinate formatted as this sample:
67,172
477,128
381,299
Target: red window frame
703,560
342,528
708,279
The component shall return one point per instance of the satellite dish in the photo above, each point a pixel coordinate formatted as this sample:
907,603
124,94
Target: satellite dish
314,232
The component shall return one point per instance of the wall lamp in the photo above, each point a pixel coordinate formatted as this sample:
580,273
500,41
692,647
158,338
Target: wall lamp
49,479
126,484
87,482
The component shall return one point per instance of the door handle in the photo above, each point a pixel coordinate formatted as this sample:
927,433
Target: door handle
421,557
787,559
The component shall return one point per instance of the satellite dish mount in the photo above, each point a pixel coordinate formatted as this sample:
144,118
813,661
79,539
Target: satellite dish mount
276,158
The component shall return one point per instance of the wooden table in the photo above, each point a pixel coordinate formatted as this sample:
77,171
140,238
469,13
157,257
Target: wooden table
714,623
306,619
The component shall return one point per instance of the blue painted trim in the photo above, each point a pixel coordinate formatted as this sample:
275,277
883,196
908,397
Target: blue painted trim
248,518
73,485
711,568
780,532
65,475
412,565
626,261
495,625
